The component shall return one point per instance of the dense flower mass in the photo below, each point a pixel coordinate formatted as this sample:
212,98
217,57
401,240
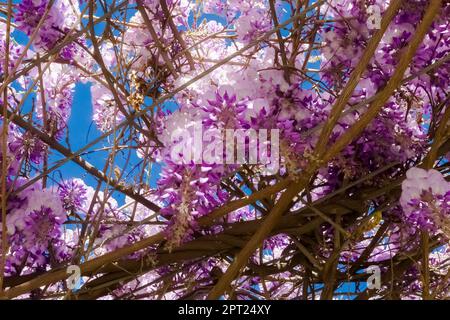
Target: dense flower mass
166,137
73,194
426,200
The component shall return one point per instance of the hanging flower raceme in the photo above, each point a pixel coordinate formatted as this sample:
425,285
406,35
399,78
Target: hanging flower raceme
190,191
34,224
425,201
55,19
73,194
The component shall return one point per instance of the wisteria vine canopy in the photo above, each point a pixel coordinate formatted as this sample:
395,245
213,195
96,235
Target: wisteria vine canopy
120,156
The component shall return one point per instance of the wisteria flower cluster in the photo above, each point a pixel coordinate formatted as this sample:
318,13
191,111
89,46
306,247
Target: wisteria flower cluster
425,200
124,125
